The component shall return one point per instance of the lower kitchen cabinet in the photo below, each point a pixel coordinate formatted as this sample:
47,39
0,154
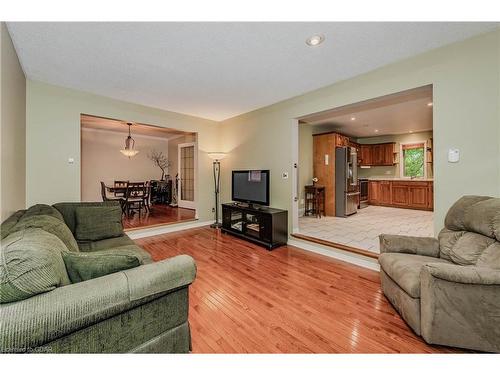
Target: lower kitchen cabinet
399,194
418,195
404,194
385,192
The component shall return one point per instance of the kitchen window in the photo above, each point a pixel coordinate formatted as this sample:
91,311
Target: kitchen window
413,160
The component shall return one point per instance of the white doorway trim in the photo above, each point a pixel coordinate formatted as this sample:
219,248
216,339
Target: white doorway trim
184,203
295,175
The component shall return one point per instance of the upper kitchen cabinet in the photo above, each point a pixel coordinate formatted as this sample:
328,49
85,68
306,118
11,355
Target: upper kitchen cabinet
381,154
342,140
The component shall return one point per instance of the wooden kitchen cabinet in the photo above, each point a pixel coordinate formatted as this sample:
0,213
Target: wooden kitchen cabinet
381,154
400,194
404,194
366,155
430,195
385,193
373,192
388,154
324,167
418,195
342,140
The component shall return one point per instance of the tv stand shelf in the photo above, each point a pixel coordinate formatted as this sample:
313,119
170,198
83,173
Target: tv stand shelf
261,225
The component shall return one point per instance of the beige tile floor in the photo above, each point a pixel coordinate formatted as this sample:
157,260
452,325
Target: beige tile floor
361,230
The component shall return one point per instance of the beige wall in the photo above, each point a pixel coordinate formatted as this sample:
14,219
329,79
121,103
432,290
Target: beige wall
465,78
13,129
103,161
393,171
53,136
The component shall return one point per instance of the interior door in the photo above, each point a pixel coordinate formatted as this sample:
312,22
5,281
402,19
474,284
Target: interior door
187,166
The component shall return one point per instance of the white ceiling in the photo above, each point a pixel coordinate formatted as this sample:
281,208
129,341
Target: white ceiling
217,70
398,113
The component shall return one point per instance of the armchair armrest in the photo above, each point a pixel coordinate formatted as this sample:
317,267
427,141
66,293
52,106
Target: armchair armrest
38,320
464,274
460,306
392,243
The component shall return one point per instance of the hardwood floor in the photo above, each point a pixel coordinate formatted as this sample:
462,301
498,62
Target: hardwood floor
160,214
246,299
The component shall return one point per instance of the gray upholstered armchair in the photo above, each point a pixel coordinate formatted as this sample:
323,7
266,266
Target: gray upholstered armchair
448,289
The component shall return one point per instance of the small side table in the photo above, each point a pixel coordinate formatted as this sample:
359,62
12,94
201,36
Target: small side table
314,200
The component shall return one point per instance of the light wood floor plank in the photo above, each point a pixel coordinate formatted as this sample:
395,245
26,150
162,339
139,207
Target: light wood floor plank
246,299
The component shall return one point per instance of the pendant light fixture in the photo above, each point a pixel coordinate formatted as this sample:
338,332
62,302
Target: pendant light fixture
129,144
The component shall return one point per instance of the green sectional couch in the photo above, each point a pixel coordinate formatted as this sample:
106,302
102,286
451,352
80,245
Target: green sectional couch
71,281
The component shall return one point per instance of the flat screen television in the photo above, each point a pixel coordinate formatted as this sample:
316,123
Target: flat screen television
251,186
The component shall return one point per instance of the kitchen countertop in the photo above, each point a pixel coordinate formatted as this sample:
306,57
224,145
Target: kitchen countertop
398,179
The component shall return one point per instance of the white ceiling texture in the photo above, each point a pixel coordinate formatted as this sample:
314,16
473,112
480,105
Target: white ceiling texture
218,70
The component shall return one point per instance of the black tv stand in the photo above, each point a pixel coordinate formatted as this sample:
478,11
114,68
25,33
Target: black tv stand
261,225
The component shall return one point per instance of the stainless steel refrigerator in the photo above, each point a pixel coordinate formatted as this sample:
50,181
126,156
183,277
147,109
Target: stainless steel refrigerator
346,181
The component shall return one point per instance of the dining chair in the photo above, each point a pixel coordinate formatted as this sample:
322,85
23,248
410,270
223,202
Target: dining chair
134,197
122,185
105,194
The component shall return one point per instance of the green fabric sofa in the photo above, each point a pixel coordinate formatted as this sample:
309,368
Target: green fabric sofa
448,289
143,309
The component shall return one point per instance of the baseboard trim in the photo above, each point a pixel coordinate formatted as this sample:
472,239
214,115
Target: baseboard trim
168,228
356,259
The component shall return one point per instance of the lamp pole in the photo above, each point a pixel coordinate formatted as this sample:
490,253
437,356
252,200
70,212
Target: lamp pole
216,167
216,157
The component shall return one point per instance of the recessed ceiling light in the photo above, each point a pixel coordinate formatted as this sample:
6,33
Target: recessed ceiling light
353,118
315,40
411,131
376,130
429,104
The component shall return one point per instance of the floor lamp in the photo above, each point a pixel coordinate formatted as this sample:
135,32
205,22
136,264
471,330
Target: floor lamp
217,157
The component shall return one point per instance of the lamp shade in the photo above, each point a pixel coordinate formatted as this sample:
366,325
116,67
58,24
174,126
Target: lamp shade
217,155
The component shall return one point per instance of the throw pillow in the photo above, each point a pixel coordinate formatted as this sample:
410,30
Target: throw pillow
49,224
97,223
31,263
86,266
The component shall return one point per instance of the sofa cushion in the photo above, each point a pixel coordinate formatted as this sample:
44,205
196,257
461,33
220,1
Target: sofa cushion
86,266
67,210
484,217
447,239
490,257
107,243
43,209
463,248
10,222
49,224
404,270
31,263
97,223
455,217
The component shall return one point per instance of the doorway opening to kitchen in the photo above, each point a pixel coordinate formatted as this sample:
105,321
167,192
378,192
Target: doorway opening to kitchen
150,170
365,169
